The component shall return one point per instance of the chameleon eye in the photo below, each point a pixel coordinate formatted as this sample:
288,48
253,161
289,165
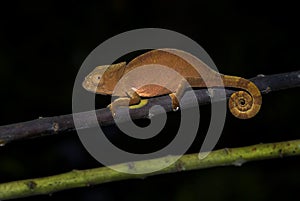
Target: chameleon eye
96,79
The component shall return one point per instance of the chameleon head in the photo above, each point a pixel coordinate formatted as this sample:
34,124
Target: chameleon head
102,79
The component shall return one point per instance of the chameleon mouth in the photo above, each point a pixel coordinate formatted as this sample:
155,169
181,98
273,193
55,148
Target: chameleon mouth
87,85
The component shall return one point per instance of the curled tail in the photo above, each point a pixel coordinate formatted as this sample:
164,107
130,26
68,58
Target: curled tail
243,104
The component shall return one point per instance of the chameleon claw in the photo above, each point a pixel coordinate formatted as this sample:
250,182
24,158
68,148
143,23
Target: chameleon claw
175,109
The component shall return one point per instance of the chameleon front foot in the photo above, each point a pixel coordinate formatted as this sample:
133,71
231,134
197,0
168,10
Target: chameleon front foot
130,101
118,103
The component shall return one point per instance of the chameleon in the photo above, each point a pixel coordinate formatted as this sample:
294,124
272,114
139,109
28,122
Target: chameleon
243,104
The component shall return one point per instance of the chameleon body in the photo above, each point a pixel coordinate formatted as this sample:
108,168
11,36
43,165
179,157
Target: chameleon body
243,104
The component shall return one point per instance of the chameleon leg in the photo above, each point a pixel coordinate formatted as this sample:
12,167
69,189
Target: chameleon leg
177,95
184,84
132,99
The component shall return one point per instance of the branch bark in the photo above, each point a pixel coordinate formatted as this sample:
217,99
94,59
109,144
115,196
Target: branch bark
64,123
82,178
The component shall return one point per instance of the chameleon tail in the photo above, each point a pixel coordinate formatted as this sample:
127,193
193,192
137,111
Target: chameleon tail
243,104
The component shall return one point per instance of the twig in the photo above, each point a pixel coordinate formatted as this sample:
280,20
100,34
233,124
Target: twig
61,124
82,178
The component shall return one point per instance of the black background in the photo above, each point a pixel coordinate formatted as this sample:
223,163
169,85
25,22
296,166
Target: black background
43,44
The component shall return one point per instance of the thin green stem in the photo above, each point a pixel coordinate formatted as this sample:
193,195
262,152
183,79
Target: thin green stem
81,178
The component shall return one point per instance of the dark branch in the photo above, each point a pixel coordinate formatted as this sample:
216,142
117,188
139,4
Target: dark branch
63,123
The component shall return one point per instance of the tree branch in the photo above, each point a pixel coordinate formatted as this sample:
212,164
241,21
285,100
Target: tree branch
63,123
81,178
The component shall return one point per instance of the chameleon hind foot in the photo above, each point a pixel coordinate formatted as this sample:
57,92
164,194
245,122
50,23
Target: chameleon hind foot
175,102
176,97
